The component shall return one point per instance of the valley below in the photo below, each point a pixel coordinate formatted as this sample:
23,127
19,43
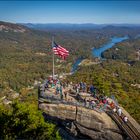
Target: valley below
108,58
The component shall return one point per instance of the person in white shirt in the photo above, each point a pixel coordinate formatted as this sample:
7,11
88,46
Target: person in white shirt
125,119
119,111
114,109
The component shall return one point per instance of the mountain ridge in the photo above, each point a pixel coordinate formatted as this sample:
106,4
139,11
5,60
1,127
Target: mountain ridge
76,25
7,26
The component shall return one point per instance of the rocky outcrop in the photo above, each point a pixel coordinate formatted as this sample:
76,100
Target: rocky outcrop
11,27
98,126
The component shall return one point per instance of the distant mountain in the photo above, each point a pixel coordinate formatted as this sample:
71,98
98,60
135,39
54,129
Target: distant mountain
11,27
61,26
111,27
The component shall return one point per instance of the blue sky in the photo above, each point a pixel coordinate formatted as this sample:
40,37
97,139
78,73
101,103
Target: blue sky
98,12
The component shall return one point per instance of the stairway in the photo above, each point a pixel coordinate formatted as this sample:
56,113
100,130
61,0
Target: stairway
128,128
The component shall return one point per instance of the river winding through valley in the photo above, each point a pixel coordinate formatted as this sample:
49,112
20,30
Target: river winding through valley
96,52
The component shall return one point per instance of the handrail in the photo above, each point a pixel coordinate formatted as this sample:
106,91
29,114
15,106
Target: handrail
80,104
135,131
124,126
128,128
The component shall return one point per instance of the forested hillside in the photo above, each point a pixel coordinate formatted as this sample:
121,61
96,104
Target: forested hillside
126,51
114,78
26,57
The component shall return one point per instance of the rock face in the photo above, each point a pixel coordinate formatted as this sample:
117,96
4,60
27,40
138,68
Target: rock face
97,126
6,27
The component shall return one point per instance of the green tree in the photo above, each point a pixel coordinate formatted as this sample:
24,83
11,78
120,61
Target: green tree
23,120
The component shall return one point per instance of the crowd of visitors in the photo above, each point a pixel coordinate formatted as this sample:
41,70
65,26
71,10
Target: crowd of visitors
99,101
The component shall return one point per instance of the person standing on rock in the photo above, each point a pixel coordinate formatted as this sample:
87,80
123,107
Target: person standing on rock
57,89
91,89
95,93
114,110
64,85
65,93
61,92
77,88
125,119
119,111
85,102
46,85
83,87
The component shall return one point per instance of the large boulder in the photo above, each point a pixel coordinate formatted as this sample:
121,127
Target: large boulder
98,126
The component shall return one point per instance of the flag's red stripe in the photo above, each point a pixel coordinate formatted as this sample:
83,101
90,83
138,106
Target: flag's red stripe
62,48
60,51
66,54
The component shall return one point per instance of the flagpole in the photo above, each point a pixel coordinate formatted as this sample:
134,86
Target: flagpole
53,57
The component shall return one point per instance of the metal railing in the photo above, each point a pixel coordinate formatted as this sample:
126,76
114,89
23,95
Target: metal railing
56,100
127,127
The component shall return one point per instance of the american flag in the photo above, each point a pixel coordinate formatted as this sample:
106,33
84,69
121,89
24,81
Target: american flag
60,51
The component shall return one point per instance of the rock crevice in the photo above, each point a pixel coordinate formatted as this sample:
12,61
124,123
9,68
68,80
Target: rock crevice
84,121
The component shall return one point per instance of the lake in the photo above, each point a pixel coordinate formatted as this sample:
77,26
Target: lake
98,51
